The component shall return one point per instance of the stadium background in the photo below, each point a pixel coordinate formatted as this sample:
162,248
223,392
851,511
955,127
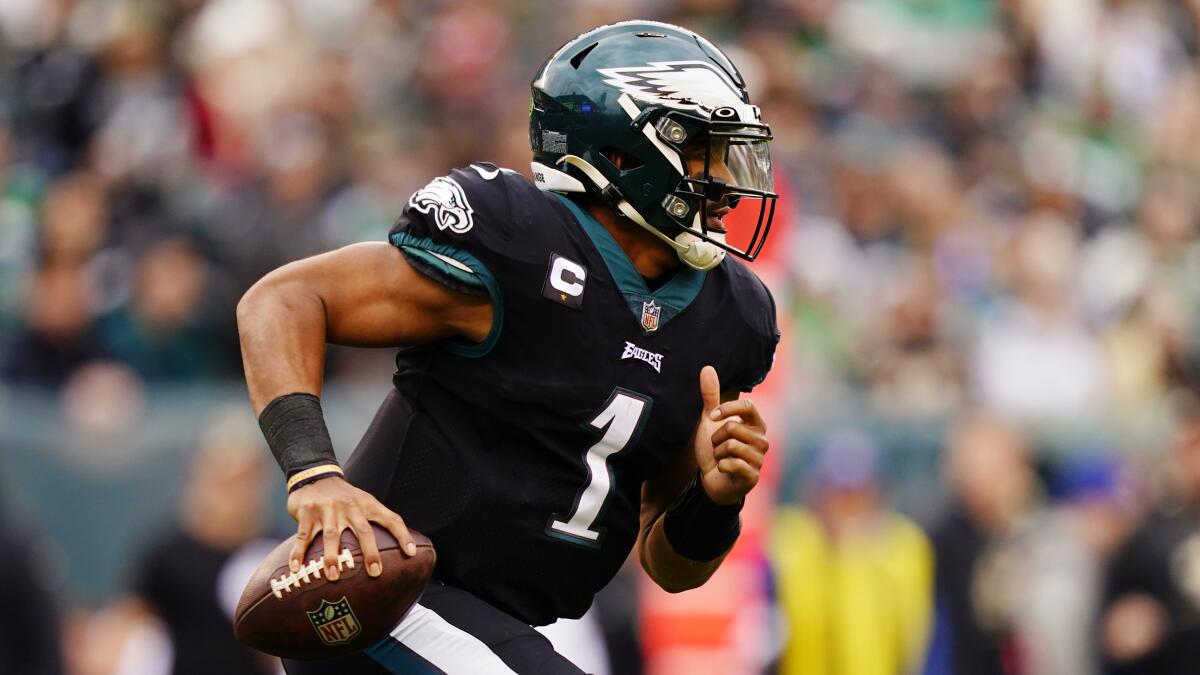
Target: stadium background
989,212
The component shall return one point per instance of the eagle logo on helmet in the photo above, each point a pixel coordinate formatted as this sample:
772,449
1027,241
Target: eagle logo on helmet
684,85
444,200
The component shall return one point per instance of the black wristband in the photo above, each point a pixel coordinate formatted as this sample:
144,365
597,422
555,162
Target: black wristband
700,529
294,427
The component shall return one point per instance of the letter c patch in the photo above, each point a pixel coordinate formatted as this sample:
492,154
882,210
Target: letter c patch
565,281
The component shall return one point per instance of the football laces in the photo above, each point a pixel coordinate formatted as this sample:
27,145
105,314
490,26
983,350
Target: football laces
308,572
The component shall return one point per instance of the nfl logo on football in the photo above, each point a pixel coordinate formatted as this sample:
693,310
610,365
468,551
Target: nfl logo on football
335,622
650,315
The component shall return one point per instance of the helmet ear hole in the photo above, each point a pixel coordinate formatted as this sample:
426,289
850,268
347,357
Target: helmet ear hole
623,160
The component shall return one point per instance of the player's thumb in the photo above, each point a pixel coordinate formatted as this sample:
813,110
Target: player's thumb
710,388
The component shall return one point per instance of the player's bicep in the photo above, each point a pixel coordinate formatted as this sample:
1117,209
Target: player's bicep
373,297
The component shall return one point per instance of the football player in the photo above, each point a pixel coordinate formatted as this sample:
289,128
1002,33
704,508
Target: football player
572,352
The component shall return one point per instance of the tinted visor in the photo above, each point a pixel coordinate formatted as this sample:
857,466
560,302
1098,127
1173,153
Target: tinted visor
746,158
732,189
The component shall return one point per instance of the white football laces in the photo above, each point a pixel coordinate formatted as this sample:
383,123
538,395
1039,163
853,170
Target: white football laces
310,571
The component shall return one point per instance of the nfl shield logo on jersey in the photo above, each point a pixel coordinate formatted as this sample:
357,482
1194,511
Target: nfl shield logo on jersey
650,315
335,622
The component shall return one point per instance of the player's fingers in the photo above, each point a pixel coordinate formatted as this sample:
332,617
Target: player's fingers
739,470
331,535
740,450
305,531
367,544
741,432
743,408
395,524
710,388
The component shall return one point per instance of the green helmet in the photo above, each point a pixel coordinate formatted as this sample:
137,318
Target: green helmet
656,96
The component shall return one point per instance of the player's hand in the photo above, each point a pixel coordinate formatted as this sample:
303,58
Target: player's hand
331,505
730,442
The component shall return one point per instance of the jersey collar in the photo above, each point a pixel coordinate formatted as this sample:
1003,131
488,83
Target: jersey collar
674,296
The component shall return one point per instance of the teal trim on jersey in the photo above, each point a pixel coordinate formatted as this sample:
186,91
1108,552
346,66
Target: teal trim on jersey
571,539
397,658
469,279
673,296
411,243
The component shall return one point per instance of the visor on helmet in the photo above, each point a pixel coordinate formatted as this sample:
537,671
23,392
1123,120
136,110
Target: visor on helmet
746,156
731,201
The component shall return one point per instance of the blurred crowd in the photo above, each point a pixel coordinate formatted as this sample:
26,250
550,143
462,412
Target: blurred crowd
989,232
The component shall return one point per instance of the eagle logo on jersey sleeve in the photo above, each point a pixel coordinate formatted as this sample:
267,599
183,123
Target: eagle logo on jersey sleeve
446,203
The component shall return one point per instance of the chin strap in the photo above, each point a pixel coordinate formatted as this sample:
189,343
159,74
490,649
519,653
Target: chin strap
692,250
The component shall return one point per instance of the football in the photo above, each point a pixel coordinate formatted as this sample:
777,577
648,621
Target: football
303,615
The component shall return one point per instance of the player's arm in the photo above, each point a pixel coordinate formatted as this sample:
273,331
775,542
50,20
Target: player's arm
362,295
689,513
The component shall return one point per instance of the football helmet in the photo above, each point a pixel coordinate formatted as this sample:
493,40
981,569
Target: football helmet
621,111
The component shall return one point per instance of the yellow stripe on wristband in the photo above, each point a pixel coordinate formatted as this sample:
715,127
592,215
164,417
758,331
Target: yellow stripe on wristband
323,469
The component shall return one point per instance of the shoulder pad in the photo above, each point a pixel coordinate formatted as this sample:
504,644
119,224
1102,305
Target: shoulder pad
753,299
757,308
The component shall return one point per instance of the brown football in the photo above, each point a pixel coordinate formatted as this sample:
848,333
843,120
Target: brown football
303,615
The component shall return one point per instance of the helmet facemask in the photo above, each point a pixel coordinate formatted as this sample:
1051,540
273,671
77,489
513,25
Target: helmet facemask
718,167
725,196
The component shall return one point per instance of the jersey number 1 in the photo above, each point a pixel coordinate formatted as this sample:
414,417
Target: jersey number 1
621,420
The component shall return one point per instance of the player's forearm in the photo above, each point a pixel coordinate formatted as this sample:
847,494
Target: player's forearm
671,571
683,534
281,326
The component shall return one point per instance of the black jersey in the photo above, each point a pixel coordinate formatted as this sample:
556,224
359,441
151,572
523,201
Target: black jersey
523,457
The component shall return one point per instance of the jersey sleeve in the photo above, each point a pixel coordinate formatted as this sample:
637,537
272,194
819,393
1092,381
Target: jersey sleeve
762,356
456,230
757,307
